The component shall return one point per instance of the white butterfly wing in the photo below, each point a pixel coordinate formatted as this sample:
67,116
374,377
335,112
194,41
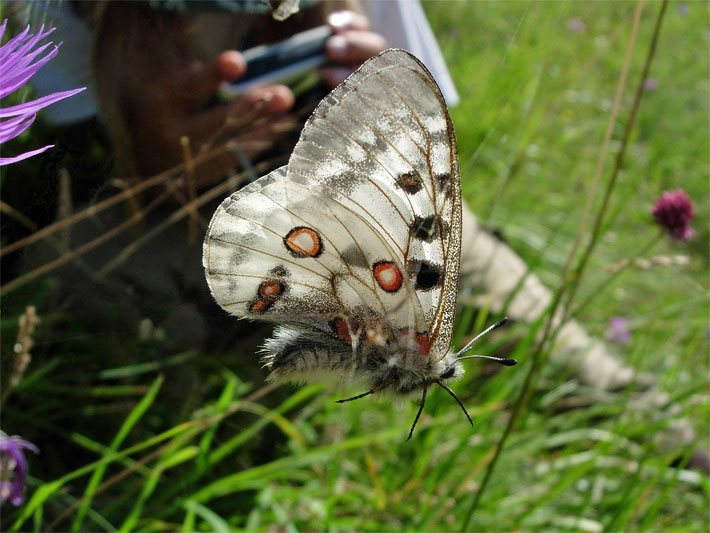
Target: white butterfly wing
366,217
282,253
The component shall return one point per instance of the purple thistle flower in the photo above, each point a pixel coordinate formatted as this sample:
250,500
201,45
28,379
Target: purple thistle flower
18,63
618,330
576,25
650,84
12,459
673,211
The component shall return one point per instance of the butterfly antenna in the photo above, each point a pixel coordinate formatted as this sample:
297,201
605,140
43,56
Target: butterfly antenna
502,360
497,325
458,401
419,413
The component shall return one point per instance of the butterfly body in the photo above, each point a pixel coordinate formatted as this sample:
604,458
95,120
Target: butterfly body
353,247
384,362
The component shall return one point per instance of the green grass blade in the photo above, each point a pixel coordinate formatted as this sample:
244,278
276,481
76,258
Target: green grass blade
131,420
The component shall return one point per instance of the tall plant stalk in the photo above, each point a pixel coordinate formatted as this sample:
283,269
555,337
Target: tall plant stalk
571,278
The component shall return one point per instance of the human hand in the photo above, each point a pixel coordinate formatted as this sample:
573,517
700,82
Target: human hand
173,108
350,46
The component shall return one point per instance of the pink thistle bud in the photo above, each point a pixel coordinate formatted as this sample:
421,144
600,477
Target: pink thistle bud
673,211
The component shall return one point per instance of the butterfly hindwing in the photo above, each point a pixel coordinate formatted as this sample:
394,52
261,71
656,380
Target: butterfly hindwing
283,253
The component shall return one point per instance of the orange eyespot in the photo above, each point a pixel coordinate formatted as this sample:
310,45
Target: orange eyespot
424,343
303,242
342,331
387,275
259,307
422,340
270,289
268,292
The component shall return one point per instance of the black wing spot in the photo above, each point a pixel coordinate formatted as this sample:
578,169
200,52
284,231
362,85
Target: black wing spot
279,271
380,145
425,229
410,182
443,179
427,275
445,183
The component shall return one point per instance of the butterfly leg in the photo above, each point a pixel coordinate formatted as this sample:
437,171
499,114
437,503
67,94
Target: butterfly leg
376,389
356,397
453,395
419,413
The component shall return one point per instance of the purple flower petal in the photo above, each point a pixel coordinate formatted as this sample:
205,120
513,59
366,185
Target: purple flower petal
23,71
9,56
11,128
10,45
9,160
650,84
618,330
14,447
16,59
15,443
19,61
35,105
576,25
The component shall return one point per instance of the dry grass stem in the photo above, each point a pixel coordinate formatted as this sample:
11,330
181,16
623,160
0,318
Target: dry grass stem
189,163
13,213
646,263
86,213
64,207
172,176
176,216
23,345
70,255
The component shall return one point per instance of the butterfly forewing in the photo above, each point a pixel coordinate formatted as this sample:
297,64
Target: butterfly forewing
364,221
383,143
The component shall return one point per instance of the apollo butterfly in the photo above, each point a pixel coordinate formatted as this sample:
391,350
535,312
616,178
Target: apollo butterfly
353,247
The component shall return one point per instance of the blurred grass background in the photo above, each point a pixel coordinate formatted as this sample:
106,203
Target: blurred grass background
136,438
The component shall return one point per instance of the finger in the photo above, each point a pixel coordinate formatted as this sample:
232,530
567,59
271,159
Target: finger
347,20
336,75
224,158
265,135
229,65
201,81
271,99
353,47
263,101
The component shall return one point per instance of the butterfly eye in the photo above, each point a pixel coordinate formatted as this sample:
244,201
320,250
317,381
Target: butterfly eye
448,373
